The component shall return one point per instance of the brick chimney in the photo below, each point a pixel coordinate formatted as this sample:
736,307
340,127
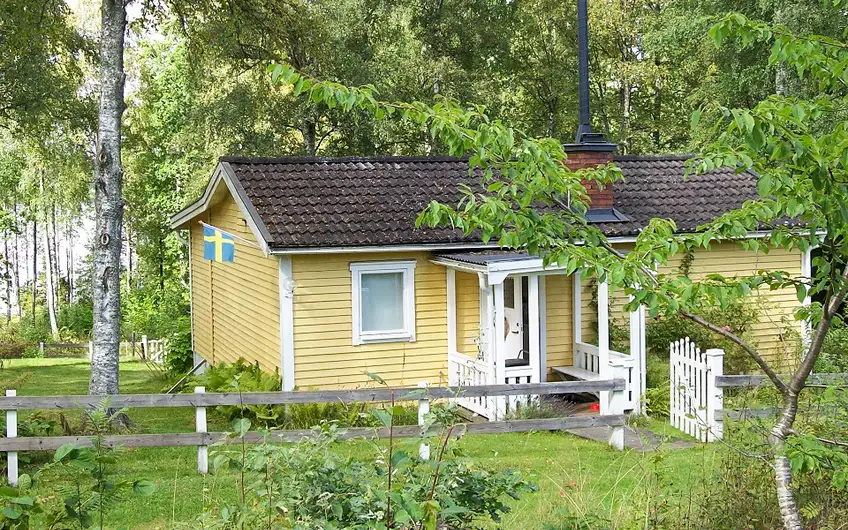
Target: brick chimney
589,156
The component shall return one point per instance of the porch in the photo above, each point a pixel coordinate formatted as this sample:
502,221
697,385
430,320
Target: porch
511,321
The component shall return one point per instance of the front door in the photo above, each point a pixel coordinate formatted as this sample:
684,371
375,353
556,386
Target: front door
515,317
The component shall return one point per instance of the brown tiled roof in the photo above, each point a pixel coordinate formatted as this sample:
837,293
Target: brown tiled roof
330,202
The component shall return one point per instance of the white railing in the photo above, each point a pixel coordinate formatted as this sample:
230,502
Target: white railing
518,375
586,356
464,371
693,394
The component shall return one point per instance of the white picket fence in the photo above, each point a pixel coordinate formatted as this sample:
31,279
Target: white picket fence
154,350
694,395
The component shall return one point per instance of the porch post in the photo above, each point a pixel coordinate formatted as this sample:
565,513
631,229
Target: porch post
497,343
577,318
451,296
604,369
535,335
637,353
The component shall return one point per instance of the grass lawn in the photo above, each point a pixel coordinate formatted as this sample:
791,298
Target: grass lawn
573,474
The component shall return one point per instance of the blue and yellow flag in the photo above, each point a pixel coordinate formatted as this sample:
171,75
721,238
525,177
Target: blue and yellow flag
218,245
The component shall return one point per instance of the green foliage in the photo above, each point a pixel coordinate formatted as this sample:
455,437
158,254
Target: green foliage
739,317
834,356
95,489
242,376
308,485
16,507
658,400
179,358
155,312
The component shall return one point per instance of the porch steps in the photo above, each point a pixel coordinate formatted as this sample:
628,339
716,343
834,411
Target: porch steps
575,372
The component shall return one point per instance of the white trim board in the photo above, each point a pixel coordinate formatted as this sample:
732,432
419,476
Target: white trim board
286,289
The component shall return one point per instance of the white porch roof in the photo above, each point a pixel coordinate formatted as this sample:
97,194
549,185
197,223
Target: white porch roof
495,264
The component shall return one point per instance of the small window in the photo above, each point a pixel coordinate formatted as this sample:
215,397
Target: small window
383,301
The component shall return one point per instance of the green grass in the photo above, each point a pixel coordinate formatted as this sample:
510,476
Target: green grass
574,474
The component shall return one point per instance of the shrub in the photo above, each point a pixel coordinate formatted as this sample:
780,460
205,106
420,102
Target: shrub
12,350
308,485
179,358
658,400
739,318
834,354
242,376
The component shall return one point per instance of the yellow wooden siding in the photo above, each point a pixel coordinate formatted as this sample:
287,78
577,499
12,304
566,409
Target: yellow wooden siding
467,313
558,320
324,352
235,306
776,307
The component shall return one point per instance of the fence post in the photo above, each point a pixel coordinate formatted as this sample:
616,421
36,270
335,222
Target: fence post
12,432
41,349
715,395
200,426
90,350
617,399
144,347
423,410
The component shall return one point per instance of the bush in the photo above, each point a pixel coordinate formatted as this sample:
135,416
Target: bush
179,358
12,350
308,485
154,312
834,354
242,376
739,318
658,400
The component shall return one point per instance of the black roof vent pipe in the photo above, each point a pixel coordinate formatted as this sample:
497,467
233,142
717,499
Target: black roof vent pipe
584,129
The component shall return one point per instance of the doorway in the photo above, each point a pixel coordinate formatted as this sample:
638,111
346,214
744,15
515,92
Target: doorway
516,321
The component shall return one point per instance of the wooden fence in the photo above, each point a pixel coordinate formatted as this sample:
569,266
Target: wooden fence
200,400
151,350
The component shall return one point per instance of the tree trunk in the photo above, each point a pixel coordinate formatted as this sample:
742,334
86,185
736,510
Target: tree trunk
625,97
57,271
17,277
8,277
49,283
782,469
34,266
309,135
70,264
109,207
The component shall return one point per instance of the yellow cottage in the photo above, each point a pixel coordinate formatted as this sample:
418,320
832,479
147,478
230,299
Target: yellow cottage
330,279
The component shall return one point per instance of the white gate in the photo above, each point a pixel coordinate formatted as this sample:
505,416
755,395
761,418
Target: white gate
694,398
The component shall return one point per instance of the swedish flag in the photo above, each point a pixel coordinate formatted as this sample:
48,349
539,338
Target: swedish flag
218,245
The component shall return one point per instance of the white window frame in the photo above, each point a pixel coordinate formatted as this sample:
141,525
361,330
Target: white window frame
405,334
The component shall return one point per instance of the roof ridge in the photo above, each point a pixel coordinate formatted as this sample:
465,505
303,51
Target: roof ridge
337,159
674,157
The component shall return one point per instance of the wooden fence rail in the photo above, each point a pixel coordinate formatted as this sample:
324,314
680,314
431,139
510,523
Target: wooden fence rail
732,381
368,395
200,400
757,380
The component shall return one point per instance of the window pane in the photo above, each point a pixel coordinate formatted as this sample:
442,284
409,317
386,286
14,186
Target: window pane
509,293
382,301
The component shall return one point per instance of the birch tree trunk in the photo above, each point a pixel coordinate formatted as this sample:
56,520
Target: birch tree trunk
34,267
17,277
49,279
8,277
50,284
108,177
